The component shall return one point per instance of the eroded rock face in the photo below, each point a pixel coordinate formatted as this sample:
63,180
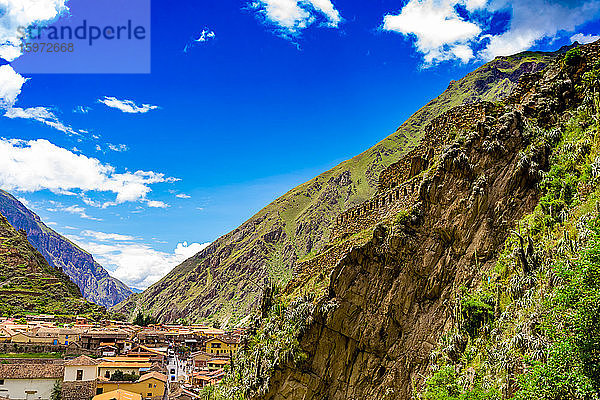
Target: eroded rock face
395,293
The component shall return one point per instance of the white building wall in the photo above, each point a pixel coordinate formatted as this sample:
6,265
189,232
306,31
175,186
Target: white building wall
90,373
16,389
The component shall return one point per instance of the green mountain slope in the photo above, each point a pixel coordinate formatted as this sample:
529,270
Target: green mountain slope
28,284
93,280
223,281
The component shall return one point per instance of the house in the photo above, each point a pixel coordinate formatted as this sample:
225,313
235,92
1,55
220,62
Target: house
200,359
26,381
118,394
108,349
79,379
28,337
92,338
106,369
82,368
150,386
61,336
205,378
181,394
217,363
222,345
155,354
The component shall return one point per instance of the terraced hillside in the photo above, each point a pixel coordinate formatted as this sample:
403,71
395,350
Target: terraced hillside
28,284
223,281
92,279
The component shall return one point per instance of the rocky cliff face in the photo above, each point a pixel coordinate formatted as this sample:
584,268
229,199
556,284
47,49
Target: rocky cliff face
94,282
221,280
394,294
29,284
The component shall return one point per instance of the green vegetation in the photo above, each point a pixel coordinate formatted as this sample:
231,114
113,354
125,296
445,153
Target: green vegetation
120,376
144,320
62,254
272,341
56,391
573,56
31,286
217,282
30,355
531,330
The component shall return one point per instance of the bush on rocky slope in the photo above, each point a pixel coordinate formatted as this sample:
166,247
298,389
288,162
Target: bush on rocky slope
544,340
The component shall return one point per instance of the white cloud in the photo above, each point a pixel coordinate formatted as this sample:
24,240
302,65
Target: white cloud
584,39
183,196
127,106
30,166
206,35
40,114
23,13
136,264
25,202
440,33
79,211
81,109
117,147
292,16
101,236
534,20
10,86
156,204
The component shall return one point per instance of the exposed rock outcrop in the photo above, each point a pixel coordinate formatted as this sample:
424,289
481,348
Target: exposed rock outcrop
395,293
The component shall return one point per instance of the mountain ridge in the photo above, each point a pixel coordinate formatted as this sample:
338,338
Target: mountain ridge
30,285
221,282
93,280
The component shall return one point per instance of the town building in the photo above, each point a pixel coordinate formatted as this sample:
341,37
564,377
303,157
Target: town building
29,380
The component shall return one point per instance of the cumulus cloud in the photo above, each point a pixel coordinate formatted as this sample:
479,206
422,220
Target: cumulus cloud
136,264
23,13
10,86
34,165
127,106
292,16
440,32
183,196
156,204
584,39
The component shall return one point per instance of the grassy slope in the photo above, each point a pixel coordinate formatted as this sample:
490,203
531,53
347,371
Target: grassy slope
93,280
223,281
28,284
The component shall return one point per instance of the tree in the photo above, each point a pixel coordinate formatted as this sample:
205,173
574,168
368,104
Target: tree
56,391
144,320
120,376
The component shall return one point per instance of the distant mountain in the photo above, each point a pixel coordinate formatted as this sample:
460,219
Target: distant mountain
28,284
223,281
95,283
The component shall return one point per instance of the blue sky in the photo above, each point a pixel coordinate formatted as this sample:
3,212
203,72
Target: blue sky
245,100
